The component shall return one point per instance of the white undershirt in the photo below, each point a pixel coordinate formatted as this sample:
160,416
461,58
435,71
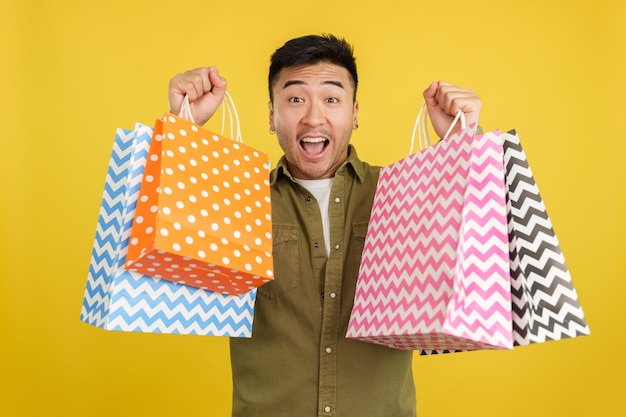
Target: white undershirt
321,191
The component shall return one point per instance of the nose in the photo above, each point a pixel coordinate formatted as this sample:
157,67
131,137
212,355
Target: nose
314,115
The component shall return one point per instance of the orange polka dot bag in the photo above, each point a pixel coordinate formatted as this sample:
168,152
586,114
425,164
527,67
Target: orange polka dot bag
203,218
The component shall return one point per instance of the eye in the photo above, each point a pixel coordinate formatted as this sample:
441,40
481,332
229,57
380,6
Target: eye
296,100
332,100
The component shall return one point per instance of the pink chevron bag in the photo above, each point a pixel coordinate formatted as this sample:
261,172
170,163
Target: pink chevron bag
434,275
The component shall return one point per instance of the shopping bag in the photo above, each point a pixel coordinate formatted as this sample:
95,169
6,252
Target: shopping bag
434,274
204,210
545,302
116,299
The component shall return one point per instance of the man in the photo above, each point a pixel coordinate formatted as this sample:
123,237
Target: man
298,362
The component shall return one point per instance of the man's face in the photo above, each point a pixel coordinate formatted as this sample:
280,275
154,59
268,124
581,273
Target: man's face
313,113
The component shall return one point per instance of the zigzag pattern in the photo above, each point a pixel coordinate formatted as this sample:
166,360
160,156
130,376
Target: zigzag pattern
141,303
104,254
545,303
518,291
116,299
435,269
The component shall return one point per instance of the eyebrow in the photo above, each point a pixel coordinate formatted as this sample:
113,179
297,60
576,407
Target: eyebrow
299,82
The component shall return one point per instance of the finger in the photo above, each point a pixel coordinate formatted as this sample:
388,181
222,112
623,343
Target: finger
452,99
207,84
471,106
429,93
184,84
467,102
201,82
218,83
175,101
193,91
444,95
458,102
177,92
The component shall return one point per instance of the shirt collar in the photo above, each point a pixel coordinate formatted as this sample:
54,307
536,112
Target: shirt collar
353,161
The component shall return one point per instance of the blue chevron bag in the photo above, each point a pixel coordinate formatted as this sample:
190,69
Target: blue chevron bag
116,299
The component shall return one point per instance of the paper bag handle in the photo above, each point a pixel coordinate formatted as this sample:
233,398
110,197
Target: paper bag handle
185,110
228,105
421,127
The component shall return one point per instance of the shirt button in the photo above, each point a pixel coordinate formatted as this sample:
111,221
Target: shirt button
308,198
329,350
317,245
337,247
333,295
327,409
337,199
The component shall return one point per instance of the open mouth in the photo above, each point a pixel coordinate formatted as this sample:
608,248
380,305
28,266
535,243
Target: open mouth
314,145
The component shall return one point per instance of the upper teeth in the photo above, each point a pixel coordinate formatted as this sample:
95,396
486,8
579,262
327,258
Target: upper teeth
313,140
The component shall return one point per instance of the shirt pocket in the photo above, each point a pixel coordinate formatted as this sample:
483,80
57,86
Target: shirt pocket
359,231
286,261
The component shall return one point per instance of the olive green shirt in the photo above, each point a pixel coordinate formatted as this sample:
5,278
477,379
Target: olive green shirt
298,362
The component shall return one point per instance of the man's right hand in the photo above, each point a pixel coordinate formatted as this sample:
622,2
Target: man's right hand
205,88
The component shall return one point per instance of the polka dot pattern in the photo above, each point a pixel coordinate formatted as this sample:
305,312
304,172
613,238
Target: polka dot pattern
203,217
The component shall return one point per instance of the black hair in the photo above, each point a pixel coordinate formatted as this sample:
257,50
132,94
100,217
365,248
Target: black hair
312,49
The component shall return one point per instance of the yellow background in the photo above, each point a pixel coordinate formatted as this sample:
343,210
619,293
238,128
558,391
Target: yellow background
74,71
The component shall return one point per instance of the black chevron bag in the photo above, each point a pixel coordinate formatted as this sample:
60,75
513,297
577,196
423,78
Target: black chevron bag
545,302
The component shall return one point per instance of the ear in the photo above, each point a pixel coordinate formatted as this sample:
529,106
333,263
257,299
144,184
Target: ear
271,116
355,113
